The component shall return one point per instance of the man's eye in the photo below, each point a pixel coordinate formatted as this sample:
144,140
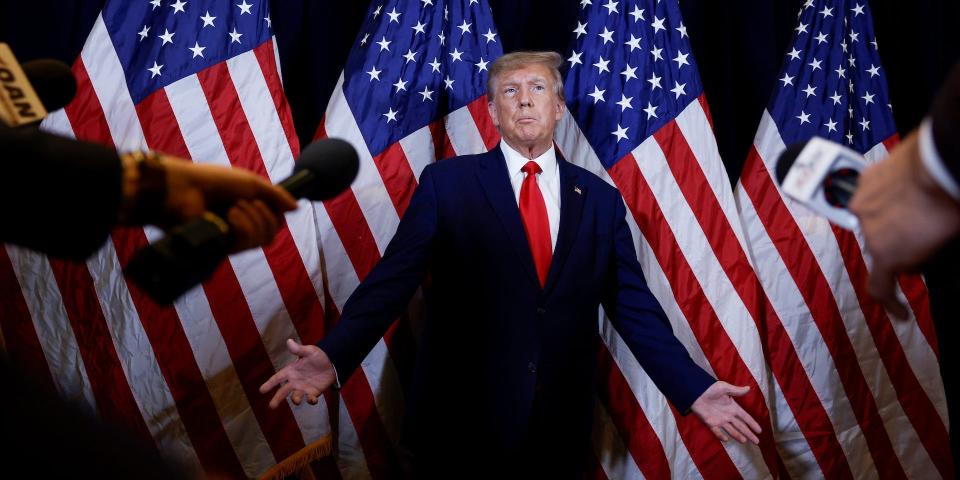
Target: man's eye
539,88
510,91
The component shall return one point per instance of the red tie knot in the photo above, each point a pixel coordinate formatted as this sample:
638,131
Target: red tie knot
531,168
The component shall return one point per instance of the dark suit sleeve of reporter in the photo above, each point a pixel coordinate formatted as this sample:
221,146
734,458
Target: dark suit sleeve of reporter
387,290
59,196
945,115
643,325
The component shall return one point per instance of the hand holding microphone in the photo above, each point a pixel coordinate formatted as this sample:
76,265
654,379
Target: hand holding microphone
167,191
905,217
904,214
190,252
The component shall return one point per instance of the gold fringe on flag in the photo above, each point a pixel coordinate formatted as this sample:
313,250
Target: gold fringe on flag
299,462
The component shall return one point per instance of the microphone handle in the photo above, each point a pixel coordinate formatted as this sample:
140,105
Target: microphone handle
298,183
186,256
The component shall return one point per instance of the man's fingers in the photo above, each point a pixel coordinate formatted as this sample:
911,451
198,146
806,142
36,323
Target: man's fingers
263,223
744,431
882,286
277,198
281,395
270,220
273,381
750,421
735,391
312,399
733,432
294,347
297,397
254,221
719,433
228,184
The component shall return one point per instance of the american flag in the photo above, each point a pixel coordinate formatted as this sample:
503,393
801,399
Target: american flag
638,118
857,395
197,79
412,92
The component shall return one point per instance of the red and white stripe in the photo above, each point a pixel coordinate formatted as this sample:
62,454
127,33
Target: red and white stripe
183,378
690,245
354,230
876,380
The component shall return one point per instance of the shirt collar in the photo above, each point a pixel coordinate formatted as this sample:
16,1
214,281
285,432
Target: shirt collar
515,161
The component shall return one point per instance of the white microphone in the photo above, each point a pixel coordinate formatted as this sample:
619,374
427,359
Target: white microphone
822,175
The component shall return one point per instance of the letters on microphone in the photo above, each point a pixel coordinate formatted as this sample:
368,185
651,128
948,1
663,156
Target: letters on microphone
820,169
19,103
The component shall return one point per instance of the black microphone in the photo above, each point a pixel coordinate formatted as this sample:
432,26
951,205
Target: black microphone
786,160
821,175
190,253
326,168
53,81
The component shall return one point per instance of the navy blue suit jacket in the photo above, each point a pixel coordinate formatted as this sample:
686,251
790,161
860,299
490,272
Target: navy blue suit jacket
502,362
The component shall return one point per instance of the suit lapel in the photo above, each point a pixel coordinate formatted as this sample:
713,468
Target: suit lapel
495,181
572,194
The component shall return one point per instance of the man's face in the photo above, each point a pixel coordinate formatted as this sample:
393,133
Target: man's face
526,108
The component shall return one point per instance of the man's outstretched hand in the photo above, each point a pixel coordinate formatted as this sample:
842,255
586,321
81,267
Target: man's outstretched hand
725,417
308,376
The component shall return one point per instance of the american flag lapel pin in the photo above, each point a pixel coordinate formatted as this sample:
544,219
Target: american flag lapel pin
577,189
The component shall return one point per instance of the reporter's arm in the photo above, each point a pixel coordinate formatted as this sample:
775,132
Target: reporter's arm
166,191
59,196
945,123
62,197
905,217
909,203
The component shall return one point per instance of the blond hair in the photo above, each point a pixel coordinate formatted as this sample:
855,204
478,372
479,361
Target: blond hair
517,60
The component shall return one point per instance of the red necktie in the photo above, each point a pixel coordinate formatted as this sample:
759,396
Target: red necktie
533,212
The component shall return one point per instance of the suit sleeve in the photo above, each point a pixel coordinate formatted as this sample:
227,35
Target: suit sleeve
59,196
643,325
387,290
945,118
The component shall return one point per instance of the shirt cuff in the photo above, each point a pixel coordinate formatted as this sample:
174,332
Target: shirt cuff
933,163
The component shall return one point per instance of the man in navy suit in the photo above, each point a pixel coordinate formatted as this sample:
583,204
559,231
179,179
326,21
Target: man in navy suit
522,248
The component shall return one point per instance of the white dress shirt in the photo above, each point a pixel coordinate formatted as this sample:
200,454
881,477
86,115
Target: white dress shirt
934,164
548,180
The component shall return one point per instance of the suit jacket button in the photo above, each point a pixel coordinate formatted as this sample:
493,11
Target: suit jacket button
532,367
541,310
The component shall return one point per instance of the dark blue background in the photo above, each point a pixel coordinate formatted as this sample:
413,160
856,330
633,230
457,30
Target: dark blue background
739,47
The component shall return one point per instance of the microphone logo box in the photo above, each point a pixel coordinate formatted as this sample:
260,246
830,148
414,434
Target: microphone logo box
19,103
823,178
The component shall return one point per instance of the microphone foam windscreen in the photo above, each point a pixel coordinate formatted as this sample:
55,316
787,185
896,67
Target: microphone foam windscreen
53,81
787,159
334,164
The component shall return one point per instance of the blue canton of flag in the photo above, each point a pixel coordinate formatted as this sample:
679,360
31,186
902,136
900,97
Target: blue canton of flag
171,40
630,72
413,57
832,85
